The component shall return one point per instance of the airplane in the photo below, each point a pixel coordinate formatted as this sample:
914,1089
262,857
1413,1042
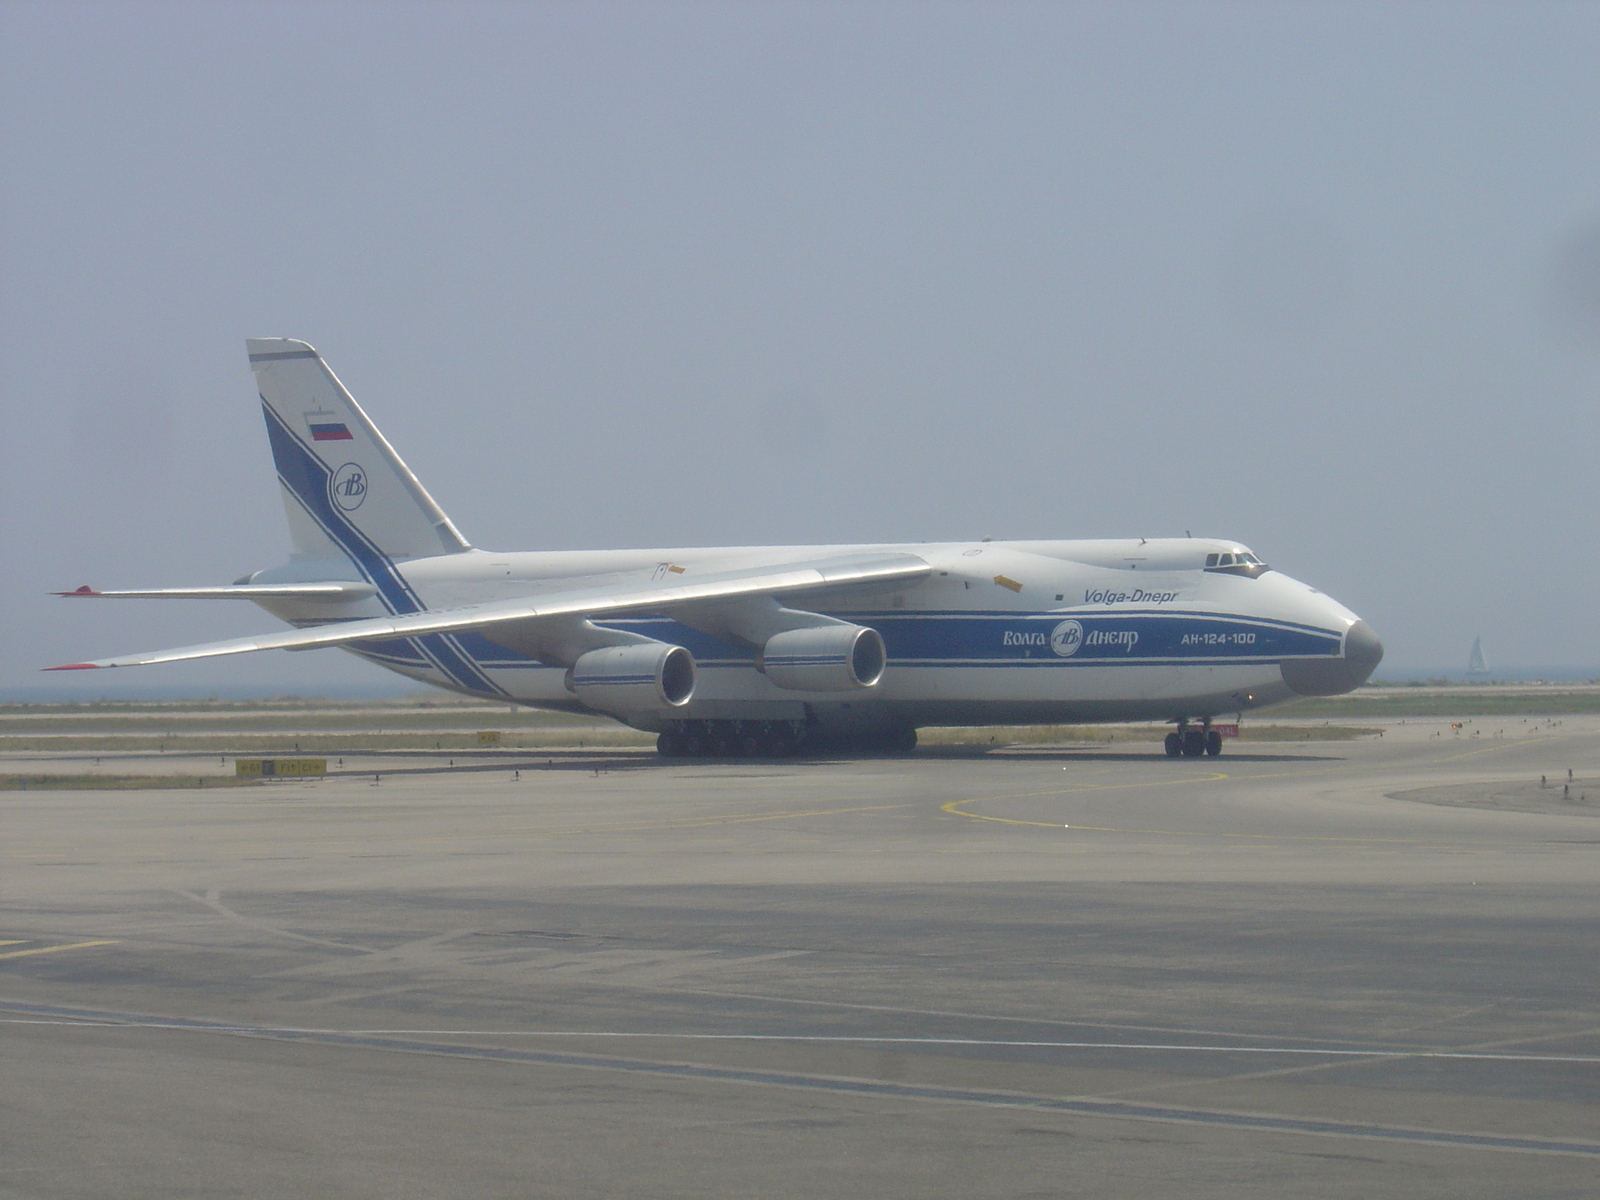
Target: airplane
764,651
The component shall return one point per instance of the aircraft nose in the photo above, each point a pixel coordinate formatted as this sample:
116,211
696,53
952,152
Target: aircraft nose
1361,646
1334,676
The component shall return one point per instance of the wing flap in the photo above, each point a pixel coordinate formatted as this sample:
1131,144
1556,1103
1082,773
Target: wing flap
845,571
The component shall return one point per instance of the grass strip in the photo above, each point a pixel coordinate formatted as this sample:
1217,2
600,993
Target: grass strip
80,783
266,745
1025,735
1450,704
614,737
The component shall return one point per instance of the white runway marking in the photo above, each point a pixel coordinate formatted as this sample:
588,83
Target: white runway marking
864,1039
1081,1106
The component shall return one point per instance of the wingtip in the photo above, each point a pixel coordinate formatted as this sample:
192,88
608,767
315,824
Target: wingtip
85,590
74,667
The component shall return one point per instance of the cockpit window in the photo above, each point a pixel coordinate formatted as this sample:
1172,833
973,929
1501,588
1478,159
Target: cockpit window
1236,562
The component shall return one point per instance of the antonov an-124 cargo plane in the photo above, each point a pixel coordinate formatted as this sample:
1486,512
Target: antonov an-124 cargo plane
766,650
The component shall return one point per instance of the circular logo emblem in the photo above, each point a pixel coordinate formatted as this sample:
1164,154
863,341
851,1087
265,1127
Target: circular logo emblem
349,487
1066,637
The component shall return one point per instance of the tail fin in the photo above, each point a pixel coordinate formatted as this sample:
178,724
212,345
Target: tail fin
345,489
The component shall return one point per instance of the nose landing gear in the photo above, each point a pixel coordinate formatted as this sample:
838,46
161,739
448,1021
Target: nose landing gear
1193,741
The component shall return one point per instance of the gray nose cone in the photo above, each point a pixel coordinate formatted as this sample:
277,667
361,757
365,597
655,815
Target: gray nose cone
1362,646
1334,676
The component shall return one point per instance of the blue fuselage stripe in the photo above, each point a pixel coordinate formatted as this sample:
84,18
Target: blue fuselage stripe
924,641
306,477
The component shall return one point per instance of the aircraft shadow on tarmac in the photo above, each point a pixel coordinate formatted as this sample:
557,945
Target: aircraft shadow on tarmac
1064,754
607,760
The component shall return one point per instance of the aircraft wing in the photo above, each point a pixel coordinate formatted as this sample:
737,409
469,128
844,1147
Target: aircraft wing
655,596
326,592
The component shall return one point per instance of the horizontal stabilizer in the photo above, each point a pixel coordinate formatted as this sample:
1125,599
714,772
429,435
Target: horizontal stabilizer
845,571
326,592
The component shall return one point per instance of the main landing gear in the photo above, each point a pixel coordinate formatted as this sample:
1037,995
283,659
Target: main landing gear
730,739
1193,741
771,739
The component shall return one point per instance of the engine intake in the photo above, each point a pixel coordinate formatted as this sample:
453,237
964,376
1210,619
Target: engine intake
825,658
634,680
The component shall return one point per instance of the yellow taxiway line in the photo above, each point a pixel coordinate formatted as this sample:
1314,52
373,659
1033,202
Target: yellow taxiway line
954,807
53,949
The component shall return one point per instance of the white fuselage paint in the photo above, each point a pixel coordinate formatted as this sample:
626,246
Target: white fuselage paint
997,632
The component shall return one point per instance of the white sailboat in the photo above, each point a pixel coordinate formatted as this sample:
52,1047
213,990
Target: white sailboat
1477,665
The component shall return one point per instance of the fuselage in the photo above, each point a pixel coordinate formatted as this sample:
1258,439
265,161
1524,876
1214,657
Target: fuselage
998,632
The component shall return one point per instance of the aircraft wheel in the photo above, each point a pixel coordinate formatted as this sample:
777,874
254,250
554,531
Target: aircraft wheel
753,743
1174,745
902,740
1213,743
778,740
696,744
1194,743
669,743
725,740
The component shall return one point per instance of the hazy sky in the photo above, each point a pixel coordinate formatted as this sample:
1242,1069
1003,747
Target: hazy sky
1323,278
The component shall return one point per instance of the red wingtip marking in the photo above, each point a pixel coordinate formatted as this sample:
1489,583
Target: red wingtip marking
75,667
85,590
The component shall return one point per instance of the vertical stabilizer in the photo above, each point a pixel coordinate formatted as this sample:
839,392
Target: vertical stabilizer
345,489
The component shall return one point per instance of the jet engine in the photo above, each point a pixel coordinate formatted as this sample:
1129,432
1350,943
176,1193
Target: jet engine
633,680
825,658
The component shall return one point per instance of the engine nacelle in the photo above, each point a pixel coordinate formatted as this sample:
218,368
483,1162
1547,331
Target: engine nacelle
636,680
825,658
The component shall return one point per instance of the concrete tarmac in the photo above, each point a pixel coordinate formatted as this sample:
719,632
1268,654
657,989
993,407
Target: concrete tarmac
1023,973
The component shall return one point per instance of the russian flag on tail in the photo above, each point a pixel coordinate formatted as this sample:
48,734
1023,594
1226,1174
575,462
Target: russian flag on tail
325,429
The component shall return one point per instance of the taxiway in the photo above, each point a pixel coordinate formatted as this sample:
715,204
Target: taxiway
1021,973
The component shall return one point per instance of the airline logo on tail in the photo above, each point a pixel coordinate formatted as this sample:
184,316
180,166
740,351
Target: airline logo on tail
348,486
